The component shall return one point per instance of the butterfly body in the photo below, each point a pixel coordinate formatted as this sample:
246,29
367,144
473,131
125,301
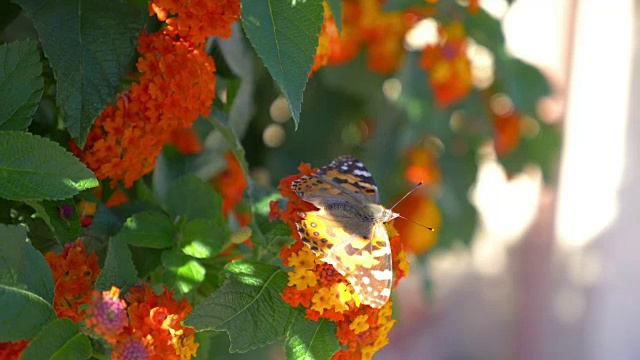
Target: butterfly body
348,230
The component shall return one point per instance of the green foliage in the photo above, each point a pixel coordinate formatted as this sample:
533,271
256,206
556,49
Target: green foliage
21,266
285,36
398,5
203,239
21,83
89,45
118,269
182,271
23,313
35,168
336,12
66,228
190,198
61,339
311,340
524,84
151,229
248,306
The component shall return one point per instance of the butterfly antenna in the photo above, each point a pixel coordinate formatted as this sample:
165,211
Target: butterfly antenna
404,197
407,194
426,227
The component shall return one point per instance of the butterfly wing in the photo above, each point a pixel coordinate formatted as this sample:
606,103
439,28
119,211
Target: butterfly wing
367,264
364,261
345,179
351,176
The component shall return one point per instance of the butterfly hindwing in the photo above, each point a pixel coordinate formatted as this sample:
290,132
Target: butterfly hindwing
367,265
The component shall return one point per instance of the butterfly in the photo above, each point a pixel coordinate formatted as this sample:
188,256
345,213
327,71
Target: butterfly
348,230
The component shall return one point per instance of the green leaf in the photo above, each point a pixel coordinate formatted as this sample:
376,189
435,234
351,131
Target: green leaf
60,339
192,198
21,265
239,56
202,238
23,314
248,306
118,268
35,168
21,84
311,340
336,12
458,215
89,45
151,229
401,5
285,36
524,84
104,225
182,271
66,228
486,30
542,150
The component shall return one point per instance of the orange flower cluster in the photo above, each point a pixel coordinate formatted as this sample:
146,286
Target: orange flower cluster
507,132
365,25
364,332
448,66
186,140
324,292
421,166
197,19
12,350
74,273
146,326
176,85
329,31
231,183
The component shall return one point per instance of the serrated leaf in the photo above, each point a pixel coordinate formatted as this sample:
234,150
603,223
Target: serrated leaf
21,84
89,44
285,36
21,265
182,272
192,198
35,168
248,306
336,12
311,340
60,339
61,216
118,268
151,229
202,238
23,314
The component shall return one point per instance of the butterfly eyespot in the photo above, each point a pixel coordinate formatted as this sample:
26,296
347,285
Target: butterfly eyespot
315,233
